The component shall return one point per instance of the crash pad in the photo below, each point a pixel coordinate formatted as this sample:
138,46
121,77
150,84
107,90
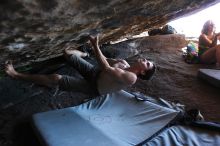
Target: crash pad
212,76
186,135
113,119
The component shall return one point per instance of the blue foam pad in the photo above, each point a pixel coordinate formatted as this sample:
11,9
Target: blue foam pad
185,135
210,75
114,119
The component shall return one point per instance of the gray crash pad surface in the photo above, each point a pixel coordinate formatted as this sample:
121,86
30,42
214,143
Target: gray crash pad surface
114,119
210,75
185,135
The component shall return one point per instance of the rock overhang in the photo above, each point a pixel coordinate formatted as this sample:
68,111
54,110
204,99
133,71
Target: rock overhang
39,29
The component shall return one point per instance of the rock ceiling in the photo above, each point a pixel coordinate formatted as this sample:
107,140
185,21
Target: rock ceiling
35,30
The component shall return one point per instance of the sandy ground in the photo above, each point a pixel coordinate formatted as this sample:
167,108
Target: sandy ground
174,80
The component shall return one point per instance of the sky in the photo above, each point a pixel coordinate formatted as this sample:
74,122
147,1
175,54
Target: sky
191,25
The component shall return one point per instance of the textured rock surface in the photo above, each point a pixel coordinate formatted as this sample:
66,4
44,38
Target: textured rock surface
33,30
